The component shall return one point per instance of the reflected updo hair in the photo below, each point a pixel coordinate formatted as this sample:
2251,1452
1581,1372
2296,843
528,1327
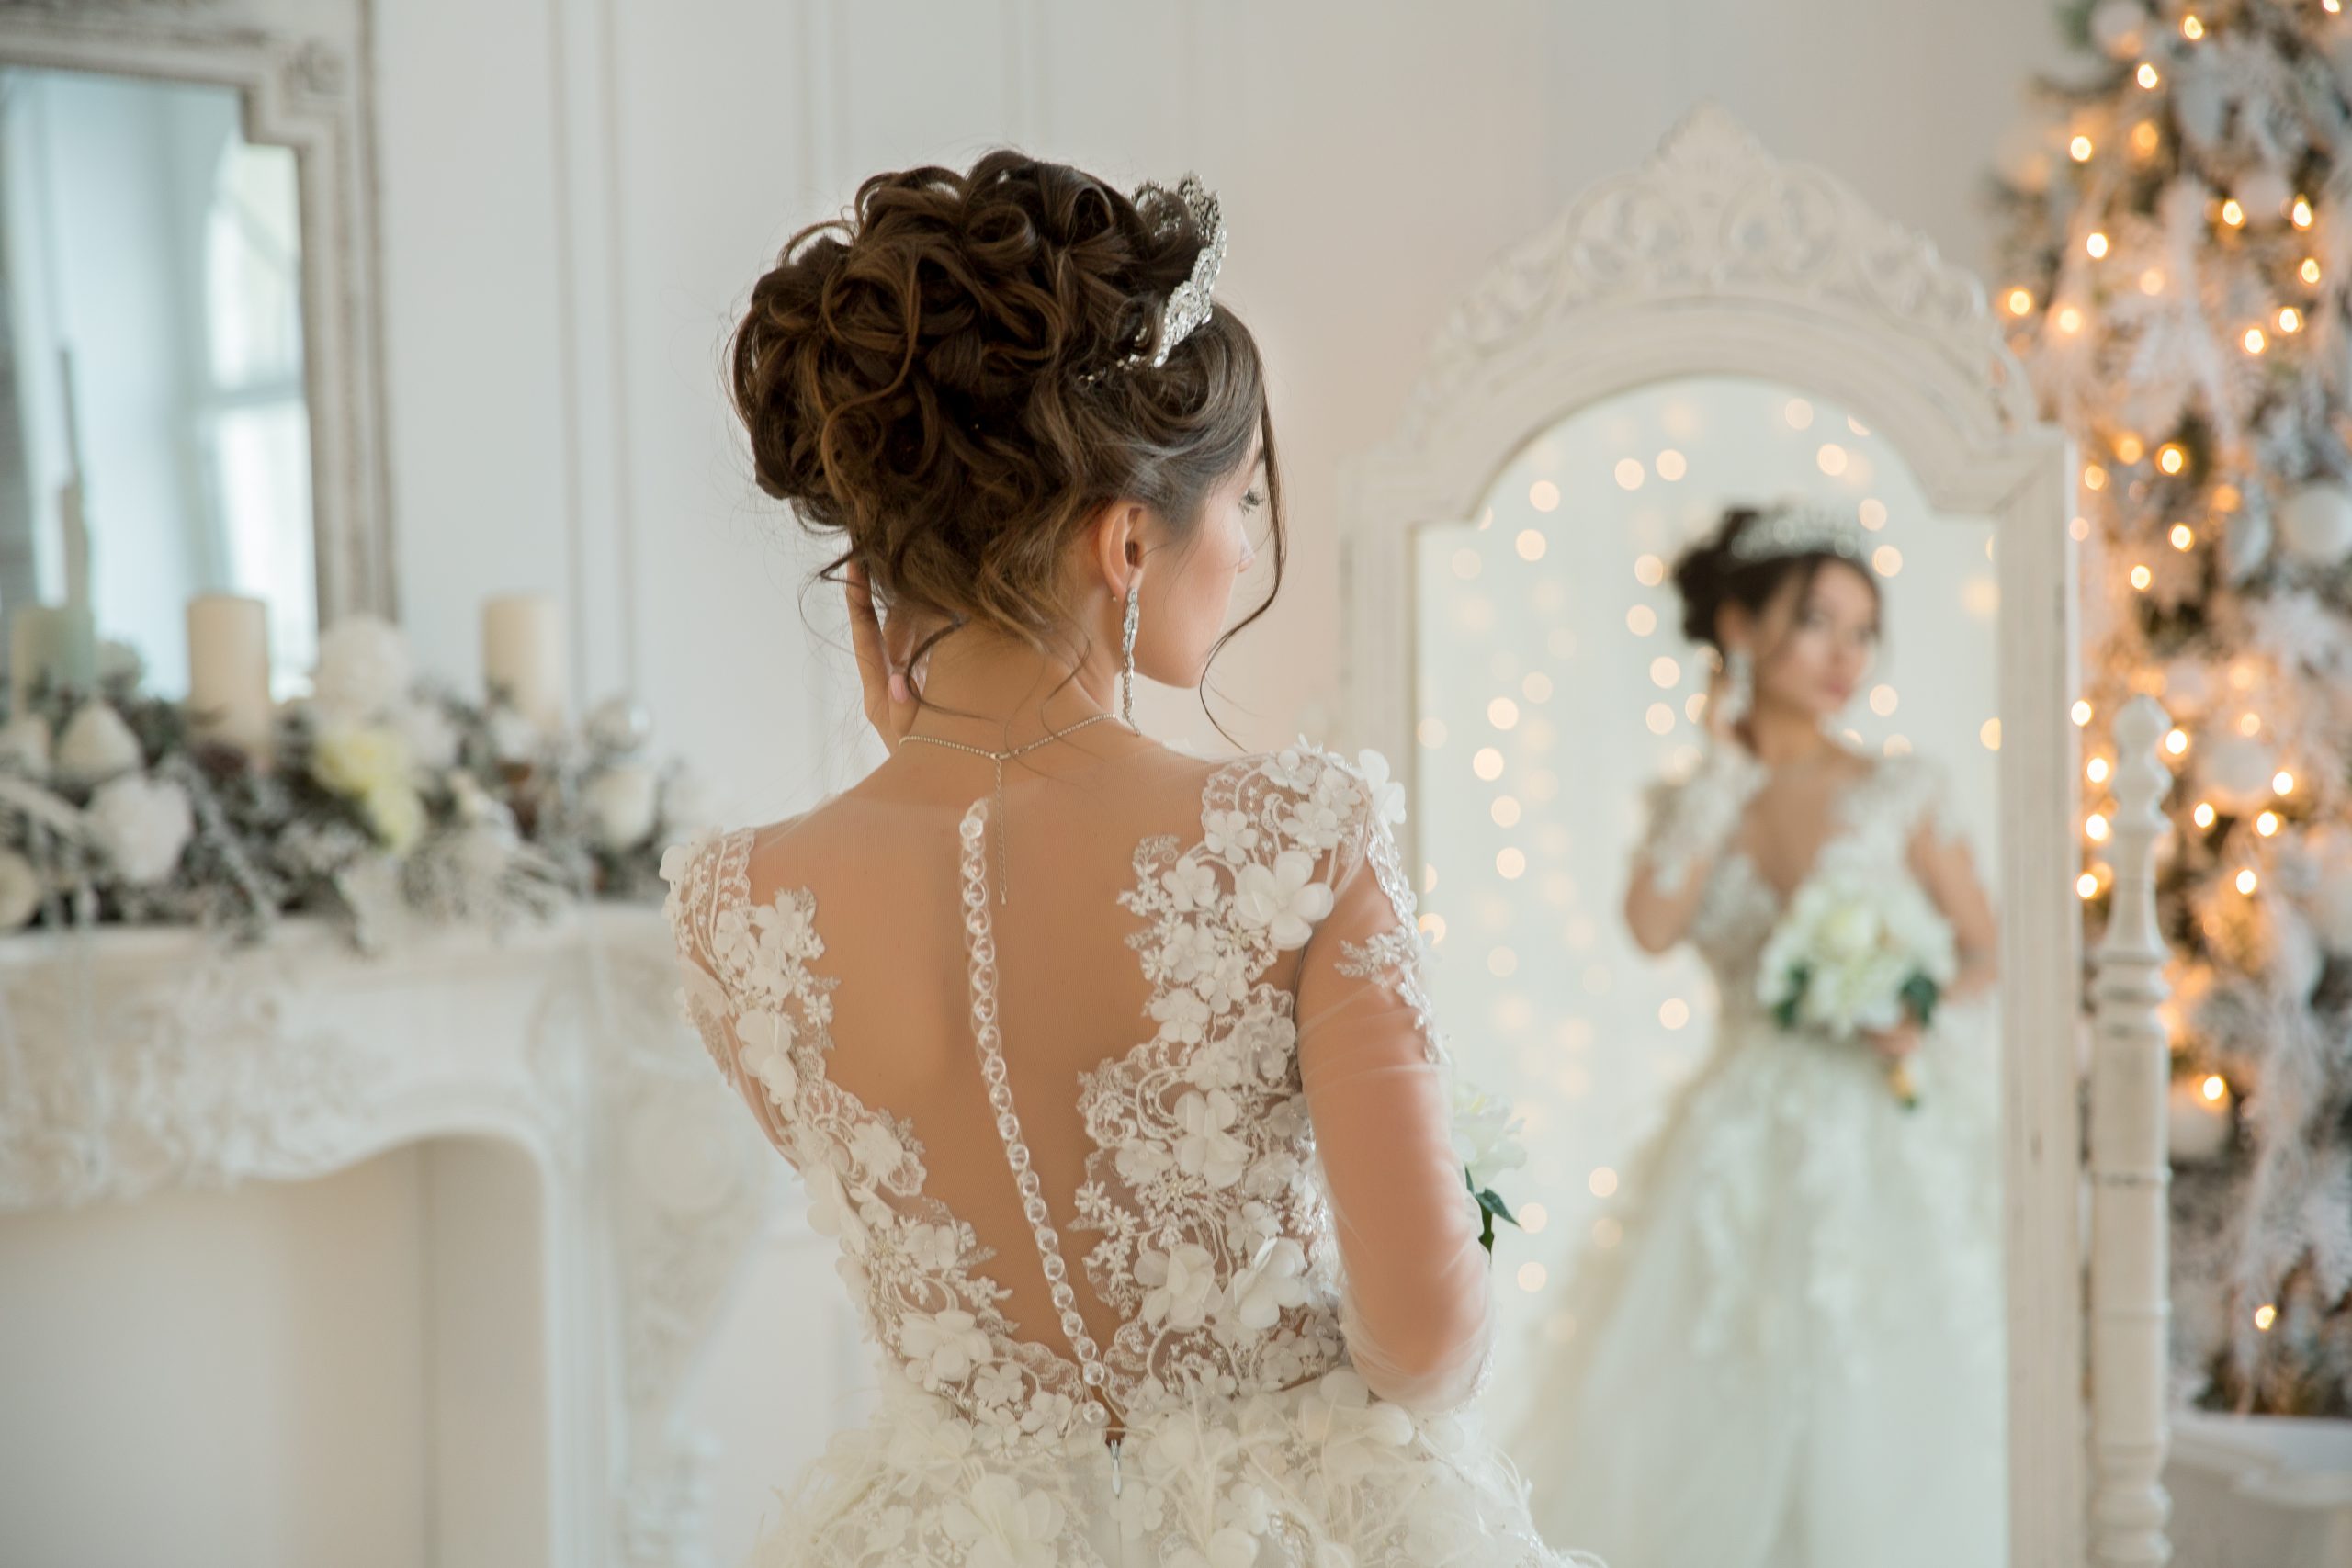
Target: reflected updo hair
932,377
1708,576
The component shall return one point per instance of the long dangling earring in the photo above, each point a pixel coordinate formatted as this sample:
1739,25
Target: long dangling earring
1741,669
1127,654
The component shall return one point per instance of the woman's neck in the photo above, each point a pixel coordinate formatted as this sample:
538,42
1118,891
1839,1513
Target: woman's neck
986,689
1784,735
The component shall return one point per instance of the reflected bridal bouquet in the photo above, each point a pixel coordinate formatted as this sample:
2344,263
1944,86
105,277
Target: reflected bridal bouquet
1485,1136
1853,954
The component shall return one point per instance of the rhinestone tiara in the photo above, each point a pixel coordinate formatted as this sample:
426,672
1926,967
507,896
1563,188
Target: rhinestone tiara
1797,529
1188,304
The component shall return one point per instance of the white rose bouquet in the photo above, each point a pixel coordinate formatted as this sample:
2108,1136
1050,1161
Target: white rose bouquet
1853,955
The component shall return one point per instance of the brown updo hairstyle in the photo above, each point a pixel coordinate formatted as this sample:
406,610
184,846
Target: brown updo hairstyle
1708,576
934,378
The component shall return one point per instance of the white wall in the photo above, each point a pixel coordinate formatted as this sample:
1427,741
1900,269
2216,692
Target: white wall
577,193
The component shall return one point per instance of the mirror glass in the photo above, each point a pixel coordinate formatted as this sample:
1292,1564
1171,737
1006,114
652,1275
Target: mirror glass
154,434
1760,1267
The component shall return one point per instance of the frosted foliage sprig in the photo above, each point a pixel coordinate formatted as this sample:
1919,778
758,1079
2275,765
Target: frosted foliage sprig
2178,239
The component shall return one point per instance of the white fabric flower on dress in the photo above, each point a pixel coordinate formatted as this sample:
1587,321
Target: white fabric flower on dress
1141,1163
1190,885
1182,1282
1282,897
1231,835
1182,1016
832,1211
1207,1149
767,1053
947,1344
1387,794
1274,1278
1006,1525
97,745
142,823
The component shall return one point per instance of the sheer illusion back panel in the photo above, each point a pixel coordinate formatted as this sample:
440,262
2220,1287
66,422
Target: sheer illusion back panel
1218,1044
885,871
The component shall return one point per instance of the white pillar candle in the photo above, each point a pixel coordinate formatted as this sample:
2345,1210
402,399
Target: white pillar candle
522,653
228,671
57,639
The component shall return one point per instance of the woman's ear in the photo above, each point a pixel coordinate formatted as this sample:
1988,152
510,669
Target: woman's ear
1118,544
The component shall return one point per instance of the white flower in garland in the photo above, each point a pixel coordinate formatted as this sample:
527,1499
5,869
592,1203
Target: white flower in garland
20,890
624,805
97,745
431,739
142,824
363,669
24,744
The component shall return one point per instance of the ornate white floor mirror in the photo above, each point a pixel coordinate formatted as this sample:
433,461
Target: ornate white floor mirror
1719,327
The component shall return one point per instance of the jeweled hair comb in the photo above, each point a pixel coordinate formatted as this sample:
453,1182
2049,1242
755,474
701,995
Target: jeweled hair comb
1188,304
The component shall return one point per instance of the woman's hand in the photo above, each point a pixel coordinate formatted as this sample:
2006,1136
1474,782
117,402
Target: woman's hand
1722,724
1894,1044
881,661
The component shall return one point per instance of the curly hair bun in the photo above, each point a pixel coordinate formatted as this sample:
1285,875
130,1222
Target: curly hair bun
915,375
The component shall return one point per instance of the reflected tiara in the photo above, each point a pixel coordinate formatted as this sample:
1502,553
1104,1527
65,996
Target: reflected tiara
1797,529
1188,304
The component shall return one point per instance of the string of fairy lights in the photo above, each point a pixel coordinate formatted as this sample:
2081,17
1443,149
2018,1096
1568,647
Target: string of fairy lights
2176,298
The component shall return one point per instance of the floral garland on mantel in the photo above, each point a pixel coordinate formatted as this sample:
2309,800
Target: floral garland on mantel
388,800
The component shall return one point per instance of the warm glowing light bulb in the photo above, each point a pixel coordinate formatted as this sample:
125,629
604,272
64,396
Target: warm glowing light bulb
2232,213
2129,448
2172,456
2183,535
2176,741
2144,138
2282,782
2204,814
2082,712
2096,244
2213,1088
2093,476
2265,1315
2080,148
2095,828
2069,319
2096,770
2020,301
2191,29
2142,577
2290,320
2302,212
2255,342
2310,269
2249,723
2246,880
2266,824
2147,75
2086,886
2152,280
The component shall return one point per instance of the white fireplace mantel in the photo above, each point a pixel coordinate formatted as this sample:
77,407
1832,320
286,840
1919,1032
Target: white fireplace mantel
134,1062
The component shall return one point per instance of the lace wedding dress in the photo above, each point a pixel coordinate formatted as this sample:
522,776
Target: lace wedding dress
1194,1043
1793,1356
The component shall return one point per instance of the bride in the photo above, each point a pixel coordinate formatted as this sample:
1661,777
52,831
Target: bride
1109,1068
1791,1358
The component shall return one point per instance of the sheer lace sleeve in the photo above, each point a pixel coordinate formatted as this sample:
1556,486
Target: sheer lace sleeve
1416,1304
1692,819
705,905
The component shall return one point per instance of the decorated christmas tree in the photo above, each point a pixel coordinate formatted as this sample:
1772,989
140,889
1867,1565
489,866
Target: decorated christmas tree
2179,246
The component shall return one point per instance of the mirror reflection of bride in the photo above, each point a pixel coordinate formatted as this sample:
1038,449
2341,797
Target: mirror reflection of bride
1791,1355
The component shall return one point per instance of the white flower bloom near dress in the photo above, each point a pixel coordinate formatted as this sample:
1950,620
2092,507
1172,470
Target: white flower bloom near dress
1792,1355
1281,1305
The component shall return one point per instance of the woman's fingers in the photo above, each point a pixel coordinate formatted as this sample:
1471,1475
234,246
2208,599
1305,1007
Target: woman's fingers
876,679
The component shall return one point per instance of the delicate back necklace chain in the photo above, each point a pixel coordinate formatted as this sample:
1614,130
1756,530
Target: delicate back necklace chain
1003,873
